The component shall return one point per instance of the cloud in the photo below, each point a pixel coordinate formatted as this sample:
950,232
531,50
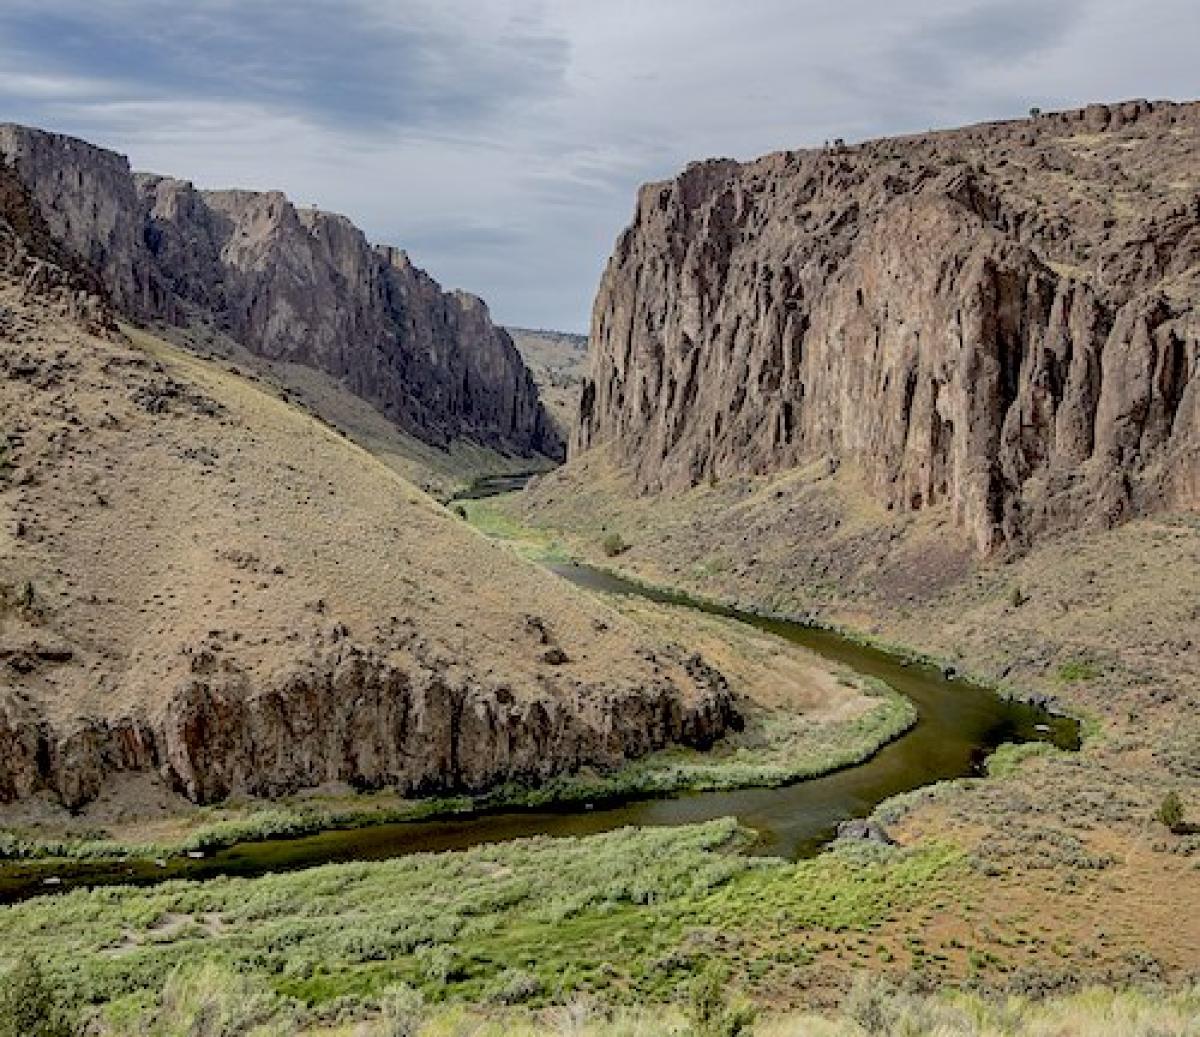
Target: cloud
356,64
502,141
969,43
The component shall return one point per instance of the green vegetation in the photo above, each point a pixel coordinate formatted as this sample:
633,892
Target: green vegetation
709,1009
1007,759
208,1001
1170,812
629,916
490,521
1077,670
614,544
30,1006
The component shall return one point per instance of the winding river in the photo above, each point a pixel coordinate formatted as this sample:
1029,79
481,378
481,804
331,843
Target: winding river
958,725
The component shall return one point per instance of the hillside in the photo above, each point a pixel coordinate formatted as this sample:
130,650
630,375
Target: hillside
290,285
207,592
558,362
1001,318
940,392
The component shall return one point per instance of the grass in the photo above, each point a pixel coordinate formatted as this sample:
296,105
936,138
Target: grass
1077,670
494,523
1008,758
238,1006
629,916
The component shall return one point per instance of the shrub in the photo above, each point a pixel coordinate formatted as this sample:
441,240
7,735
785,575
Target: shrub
710,1013
403,1012
460,511
1170,812
614,544
1017,597
30,1006
1077,670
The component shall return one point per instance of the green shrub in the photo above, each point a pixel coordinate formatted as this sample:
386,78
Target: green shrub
1077,670
402,1012
614,545
30,1006
1170,812
460,511
709,1011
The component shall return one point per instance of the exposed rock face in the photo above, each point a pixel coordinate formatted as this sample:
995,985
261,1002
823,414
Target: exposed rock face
297,285
46,270
351,714
1002,317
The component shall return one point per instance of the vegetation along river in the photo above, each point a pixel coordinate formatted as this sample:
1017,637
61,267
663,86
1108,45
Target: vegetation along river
958,725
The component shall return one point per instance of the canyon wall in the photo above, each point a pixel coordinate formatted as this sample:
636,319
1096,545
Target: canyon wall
1001,318
290,284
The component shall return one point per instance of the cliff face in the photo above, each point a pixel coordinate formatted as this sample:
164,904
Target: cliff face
298,285
1002,317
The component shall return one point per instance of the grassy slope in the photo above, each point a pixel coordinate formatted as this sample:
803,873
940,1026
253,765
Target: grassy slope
440,472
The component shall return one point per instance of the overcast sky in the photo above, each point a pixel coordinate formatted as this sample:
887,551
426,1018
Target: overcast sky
501,141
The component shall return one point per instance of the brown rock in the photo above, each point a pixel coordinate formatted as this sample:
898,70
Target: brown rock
289,284
1000,317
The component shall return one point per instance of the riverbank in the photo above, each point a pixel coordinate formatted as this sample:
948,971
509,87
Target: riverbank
802,718
637,917
1099,623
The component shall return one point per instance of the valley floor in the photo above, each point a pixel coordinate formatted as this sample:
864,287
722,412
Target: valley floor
1104,623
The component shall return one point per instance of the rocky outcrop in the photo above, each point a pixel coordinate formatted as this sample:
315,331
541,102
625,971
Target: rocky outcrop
289,284
47,271
1001,318
351,714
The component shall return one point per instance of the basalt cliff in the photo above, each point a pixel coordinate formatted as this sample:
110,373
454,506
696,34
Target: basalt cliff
290,284
1002,318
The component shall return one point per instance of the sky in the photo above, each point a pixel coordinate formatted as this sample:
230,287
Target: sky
501,142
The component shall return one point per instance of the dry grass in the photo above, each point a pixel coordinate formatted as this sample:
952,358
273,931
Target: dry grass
161,506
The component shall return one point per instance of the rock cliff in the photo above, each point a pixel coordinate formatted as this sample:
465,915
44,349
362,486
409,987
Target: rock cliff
1002,318
291,284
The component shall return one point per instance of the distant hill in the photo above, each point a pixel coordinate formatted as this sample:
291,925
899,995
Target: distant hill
558,362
